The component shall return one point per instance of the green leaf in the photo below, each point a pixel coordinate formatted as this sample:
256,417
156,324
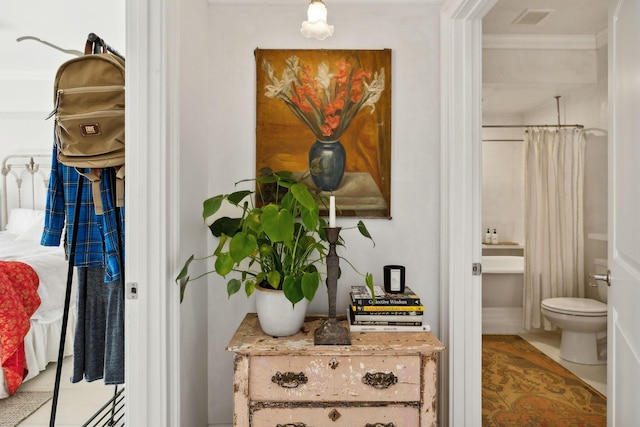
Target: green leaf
221,242
211,206
238,196
233,286
278,224
267,179
266,250
285,178
273,277
183,287
307,243
253,221
185,269
249,287
242,245
369,281
301,192
225,225
288,202
261,277
363,230
224,264
292,289
310,218
310,283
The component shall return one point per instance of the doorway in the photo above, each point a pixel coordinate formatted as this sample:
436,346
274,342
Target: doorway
521,86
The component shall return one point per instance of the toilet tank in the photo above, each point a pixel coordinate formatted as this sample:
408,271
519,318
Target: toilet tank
600,267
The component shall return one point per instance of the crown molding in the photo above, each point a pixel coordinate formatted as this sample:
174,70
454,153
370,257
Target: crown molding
536,41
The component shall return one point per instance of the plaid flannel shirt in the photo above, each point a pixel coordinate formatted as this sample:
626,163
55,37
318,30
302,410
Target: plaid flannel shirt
97,241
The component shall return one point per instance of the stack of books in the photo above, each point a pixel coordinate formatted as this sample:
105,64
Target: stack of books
389,313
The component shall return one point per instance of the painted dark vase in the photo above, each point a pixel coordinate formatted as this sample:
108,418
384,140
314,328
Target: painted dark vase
327,160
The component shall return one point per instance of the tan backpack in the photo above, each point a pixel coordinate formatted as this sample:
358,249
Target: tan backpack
89,117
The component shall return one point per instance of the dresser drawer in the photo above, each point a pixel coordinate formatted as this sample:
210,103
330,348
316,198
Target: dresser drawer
337,416
335,378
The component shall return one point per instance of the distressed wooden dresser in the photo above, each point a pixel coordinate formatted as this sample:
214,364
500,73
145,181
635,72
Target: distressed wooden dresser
383,379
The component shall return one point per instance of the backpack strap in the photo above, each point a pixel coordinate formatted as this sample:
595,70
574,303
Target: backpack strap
120,186
93,45
94,176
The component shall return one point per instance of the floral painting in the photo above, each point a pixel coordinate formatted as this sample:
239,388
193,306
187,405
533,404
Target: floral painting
326,116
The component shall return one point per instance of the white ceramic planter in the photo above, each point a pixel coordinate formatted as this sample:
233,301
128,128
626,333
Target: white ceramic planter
277,316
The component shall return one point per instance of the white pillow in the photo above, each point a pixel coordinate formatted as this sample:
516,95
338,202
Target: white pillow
22,220
33,234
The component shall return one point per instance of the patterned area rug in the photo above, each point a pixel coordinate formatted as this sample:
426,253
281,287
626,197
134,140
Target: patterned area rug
22,404
523,387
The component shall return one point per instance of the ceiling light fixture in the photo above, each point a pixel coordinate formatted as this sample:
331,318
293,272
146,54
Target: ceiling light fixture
316,24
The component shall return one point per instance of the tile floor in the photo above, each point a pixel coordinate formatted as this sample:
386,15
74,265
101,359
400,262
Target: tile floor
549,344
76,402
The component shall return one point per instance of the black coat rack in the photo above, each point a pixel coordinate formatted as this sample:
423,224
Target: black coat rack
112,412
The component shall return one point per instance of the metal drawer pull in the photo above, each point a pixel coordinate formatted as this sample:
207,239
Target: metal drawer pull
292,425
334,415
380,425
289,379
380,380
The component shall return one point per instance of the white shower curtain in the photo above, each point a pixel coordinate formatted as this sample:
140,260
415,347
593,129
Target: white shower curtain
554,177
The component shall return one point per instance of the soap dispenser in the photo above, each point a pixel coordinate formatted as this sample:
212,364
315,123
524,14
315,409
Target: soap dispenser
487,237
494,237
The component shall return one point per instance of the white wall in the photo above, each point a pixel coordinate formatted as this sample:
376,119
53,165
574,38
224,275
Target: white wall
410,238
503,179
28,68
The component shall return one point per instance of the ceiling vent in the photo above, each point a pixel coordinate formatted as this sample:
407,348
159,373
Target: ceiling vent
532,16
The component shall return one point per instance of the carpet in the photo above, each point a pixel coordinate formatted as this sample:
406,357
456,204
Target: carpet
20,405
521,387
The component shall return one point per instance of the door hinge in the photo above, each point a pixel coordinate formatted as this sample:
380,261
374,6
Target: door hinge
132,290
476,269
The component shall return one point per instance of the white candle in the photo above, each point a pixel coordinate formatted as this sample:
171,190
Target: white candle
332,211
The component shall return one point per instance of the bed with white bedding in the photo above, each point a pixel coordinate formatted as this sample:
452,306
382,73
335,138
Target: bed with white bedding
25,179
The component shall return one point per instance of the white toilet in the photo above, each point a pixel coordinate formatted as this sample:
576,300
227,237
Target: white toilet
583,322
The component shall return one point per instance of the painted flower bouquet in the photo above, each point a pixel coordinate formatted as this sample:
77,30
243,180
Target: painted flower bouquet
329,100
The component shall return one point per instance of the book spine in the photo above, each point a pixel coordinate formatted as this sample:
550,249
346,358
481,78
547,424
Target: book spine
390,308
387,318
389,328
400,317
385,301
385,323
396,313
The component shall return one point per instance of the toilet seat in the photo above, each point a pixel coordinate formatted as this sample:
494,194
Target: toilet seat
575,306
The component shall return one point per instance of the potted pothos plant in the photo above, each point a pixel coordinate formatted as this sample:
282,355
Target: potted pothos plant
277,240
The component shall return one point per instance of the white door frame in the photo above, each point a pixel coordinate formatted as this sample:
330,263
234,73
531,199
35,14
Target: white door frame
461,293
152,320
623,340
